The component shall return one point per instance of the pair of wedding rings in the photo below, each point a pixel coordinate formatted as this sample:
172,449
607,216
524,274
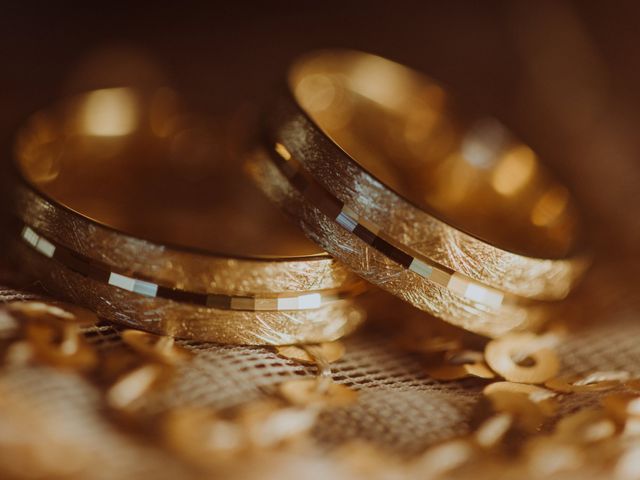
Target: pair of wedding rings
120,207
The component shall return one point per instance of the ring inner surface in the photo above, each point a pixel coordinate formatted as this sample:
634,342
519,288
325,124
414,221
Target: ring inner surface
138,162
467,170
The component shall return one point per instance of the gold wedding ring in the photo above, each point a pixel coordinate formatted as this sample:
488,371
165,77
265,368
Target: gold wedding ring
446,210
122,200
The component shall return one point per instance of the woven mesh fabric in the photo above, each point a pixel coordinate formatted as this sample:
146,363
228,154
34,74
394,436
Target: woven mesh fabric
399,409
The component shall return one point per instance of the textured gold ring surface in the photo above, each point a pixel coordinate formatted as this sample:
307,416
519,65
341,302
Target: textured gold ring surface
453,215
98,179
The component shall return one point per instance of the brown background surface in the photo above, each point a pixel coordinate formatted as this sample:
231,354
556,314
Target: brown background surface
564,75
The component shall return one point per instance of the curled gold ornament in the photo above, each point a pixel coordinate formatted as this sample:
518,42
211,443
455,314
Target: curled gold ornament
518,357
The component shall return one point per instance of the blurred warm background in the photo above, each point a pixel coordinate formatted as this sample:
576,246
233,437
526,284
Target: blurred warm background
563,75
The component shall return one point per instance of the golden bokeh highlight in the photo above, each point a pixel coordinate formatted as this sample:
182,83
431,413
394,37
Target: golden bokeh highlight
111,112
550,207
514,171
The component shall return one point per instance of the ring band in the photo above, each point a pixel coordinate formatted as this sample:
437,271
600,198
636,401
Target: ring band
186,292
429,296
333,136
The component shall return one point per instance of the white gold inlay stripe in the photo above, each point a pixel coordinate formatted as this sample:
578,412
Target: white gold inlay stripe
39,243
120,281
30,236
420,268
132,285
45,247
347,219
147,289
